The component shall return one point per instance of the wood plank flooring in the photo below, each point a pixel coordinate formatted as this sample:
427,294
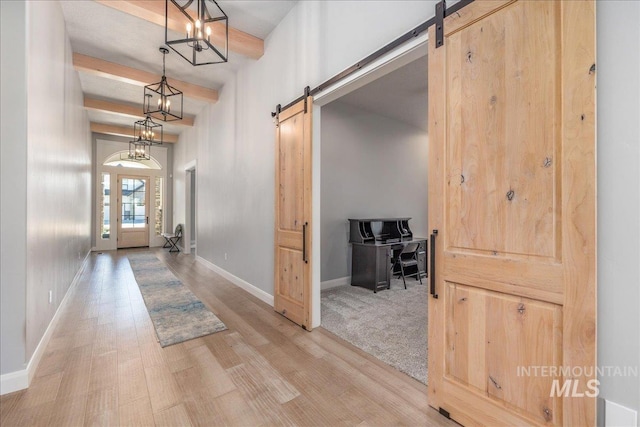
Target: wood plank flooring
104,366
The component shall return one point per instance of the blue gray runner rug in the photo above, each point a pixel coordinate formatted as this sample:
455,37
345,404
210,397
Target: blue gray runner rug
177,314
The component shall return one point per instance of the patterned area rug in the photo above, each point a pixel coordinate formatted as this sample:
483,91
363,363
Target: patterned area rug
391,325
175,311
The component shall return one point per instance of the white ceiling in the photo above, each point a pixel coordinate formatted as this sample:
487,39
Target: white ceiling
399,95
103,32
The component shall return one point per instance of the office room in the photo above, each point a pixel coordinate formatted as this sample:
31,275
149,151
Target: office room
374,155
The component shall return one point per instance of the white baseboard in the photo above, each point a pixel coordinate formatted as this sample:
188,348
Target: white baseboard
253,290
616,415
14,381
334,283
19,380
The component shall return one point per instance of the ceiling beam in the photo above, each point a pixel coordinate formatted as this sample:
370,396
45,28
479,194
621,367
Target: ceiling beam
154,11
111,70
125,131
126,110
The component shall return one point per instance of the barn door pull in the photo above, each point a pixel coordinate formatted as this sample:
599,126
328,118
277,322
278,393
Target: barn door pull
304,242
432,270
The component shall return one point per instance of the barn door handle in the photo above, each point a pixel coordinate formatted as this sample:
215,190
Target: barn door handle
304,242
432,272
147,220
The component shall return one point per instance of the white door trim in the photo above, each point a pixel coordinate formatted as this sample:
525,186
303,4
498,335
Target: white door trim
186,231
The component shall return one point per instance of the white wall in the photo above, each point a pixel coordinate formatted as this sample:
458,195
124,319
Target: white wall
235,137
373,166
618,75
59,168
13,157
184,153
51,175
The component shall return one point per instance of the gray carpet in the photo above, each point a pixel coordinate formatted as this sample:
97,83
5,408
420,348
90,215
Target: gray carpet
177,314
391,325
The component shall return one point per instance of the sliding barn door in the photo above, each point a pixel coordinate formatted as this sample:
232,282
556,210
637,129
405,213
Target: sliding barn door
292,293
512,331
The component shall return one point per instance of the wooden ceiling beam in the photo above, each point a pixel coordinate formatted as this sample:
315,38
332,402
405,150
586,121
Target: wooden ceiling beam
111,70
127,132
154,11
127,110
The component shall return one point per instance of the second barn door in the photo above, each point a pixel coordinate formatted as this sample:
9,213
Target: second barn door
292,284
512,316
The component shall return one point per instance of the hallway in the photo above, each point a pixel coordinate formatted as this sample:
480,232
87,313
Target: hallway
103,365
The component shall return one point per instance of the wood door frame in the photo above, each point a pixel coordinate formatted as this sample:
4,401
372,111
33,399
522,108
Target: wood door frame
119,176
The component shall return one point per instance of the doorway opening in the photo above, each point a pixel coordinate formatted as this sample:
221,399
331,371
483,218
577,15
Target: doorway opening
373,165
113,213
190,228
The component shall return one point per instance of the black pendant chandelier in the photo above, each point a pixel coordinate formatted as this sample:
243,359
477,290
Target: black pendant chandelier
161,100
147,132
205,39
138,151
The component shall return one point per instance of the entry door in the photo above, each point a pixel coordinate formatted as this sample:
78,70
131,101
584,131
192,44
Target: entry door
133,211
292,293
512,197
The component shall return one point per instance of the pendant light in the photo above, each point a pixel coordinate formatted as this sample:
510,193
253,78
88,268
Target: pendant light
205,39
161,100
147,132
138,151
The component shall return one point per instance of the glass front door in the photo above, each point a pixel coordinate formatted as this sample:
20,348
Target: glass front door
133,214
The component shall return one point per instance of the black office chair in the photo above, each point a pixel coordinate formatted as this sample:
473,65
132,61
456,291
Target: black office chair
171,240
408,257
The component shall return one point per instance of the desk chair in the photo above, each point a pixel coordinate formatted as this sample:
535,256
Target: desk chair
171,240
408,257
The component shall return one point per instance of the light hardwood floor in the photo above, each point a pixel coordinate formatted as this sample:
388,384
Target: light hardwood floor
103,365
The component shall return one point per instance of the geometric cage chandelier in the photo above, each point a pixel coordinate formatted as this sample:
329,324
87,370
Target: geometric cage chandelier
202,23
147,132
138,151
161,100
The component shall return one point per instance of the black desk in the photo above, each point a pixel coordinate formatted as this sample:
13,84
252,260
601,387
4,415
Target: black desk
371,262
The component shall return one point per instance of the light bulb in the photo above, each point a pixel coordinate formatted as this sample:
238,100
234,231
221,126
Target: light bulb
198,24
208,31
188,29
159,102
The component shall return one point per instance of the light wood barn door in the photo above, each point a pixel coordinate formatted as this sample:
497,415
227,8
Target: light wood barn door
512,195
292,293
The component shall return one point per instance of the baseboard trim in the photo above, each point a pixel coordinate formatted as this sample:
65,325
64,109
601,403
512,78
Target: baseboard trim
253,290
334,283
616,415
14,381
19,380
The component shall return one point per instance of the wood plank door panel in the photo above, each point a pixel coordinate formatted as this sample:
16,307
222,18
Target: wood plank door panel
292,285
512,195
